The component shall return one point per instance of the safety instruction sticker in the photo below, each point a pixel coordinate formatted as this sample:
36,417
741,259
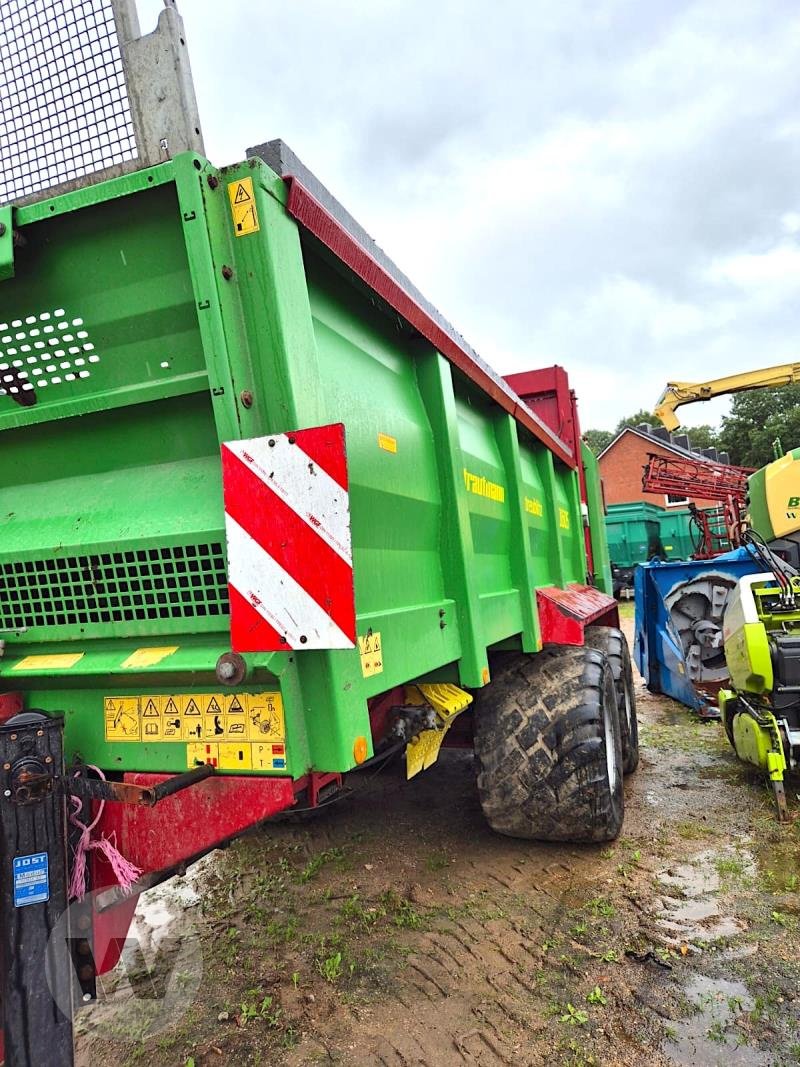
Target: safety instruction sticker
230,756
243,207
369,649
197,717
31,879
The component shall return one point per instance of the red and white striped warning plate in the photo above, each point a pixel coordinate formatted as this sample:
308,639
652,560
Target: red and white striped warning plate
290,561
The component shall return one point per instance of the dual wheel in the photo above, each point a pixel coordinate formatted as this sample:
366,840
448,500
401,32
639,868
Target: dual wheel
554,734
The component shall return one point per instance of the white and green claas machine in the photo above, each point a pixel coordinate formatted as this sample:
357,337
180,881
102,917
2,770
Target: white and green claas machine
761,632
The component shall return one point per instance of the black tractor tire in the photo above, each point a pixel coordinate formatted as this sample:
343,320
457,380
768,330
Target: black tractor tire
548,747
613,642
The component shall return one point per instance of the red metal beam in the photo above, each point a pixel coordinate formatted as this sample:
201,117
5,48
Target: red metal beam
303,207
565,613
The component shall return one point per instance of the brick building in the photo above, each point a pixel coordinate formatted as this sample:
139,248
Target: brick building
622,461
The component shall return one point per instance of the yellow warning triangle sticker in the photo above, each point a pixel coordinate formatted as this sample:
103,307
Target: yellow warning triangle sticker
213,707
192,709
171,708
150,711
236,707
241,195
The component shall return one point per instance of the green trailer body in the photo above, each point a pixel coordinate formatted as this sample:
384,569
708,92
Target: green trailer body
633,532
676,533
149,331
198,633
637,532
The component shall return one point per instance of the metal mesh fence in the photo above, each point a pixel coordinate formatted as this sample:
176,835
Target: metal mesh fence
64,108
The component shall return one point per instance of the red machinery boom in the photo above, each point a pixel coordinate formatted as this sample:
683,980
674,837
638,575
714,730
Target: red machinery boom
719,528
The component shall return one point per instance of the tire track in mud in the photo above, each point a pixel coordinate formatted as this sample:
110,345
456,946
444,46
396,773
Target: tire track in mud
476,971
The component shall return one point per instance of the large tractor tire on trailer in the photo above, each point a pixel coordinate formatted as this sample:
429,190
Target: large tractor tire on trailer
613,642
548,747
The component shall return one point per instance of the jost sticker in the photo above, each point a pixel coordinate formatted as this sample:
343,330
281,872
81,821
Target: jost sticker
31,879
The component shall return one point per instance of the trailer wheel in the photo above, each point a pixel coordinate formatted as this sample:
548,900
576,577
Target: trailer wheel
613,642
548,747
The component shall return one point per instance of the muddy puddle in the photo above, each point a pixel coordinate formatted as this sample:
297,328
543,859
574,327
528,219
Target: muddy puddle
691,911
709,1036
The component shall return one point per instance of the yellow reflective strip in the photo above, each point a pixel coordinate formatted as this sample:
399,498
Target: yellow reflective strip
58,662
148,657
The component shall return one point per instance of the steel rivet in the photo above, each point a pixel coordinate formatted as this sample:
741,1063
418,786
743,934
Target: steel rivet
40,733
246,398
303,639
6,792
213,181
271,443
6,766
227,272
291,440
48,759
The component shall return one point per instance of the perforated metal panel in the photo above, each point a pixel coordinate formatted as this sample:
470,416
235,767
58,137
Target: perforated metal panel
143,585
64,108
42,350
83,96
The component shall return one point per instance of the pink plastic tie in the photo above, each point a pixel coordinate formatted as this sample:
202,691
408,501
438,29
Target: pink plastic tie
124,871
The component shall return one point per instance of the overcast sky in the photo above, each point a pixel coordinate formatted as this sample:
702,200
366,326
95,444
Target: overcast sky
607,184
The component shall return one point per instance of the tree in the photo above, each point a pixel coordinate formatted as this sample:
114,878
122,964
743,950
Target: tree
756,419
597,440
699,436
704,436
636,420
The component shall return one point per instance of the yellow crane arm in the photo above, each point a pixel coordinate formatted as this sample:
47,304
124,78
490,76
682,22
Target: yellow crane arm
678,393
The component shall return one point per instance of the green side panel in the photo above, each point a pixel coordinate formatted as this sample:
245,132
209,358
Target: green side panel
570,524
758,514
677,540
395,497
748,659
597,523
485,484
540,525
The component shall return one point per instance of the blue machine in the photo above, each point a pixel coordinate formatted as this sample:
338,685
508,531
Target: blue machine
679,612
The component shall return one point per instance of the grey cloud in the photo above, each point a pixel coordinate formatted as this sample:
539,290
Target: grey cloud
561,179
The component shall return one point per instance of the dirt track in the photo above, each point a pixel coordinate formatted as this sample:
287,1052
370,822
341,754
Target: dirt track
396,929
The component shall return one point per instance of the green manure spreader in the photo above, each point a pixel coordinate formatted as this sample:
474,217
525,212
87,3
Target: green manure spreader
266,520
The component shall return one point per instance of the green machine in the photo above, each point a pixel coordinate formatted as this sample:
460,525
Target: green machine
267,520
761,623
761,710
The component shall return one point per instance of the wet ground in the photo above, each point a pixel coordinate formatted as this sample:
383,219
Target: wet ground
396,929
